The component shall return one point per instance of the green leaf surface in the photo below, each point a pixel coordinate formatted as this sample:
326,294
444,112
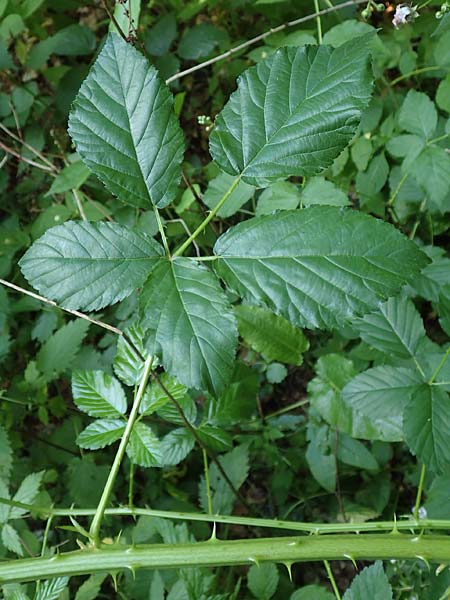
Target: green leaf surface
101,433
89,265
311,592
98,394
71,177
218,186
431,170
5,454
155,397
128,366
381,395
124,127
281,195
426,422
353,452
418,114
293,113
193,322
396,328
316,266
320,457
52,589
262,580
320,191
59,351
144,448
26,494
175,446
333,371
271,335
11,539
370,583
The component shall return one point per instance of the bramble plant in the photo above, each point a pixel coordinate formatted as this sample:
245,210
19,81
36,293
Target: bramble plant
208,315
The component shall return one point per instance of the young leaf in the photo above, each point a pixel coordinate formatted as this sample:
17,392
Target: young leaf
124,127
395,328
320,191
155,397
262,580
89,265
316,266
59,351
52,589
311,592
426,422
27,492
101,433
370,583
11,539
175,446
193,322
285,343
98,394
90,588
127,365
144,448
381,394
293,113
353,452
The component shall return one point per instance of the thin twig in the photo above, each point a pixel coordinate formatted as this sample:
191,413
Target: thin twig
24,159
76,313
114,20
197,438
79,204
28,147
263,36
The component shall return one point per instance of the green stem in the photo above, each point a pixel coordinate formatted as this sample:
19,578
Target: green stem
98,517
392,199
416,72
214,553
207,482
419,492
318,21
439,367
313,528
332,580
208,219
161,230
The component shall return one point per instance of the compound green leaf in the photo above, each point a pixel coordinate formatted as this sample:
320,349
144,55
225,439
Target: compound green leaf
98,394
381,395
101,433
396,328
124,127
293,113
183,303
316,266
144,448
89,265
426,422
271,335
370,583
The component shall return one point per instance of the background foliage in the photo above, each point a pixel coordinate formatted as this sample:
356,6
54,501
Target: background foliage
316,426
